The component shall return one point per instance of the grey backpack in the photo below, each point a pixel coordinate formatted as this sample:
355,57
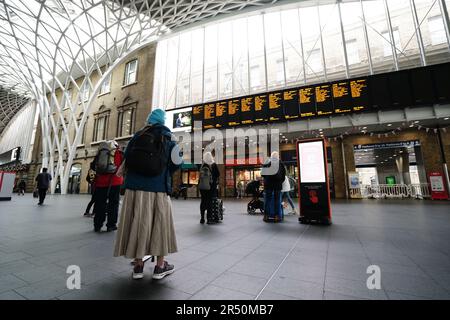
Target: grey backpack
205,179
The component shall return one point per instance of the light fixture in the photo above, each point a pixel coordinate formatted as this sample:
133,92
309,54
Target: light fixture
389,125
446,118
417,121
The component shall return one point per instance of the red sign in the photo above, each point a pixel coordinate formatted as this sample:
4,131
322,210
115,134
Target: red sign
437,186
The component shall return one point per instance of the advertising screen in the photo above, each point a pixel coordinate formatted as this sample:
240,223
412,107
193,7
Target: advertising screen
324,100
312,162
179,119
341,97
290,102
307,99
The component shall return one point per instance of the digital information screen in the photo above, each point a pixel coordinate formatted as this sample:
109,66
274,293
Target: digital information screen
360,95
179,119
291,104
209,114
341,97
379,92
261,107
233,112
400,89
221,114
441,76
324,100
422,86
247,110
312,162
197,113
276,106
307,99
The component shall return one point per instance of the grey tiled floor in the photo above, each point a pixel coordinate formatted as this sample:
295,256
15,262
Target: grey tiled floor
242,258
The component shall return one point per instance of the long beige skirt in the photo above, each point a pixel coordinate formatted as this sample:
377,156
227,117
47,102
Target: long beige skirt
145,226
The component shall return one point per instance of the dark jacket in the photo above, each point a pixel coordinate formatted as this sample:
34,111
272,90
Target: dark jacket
22,185
162,182
43,180
273,180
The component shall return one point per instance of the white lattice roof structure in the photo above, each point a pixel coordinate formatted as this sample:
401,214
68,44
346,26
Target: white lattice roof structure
48,44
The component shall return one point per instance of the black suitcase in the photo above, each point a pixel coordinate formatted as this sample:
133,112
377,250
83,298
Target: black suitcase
217,209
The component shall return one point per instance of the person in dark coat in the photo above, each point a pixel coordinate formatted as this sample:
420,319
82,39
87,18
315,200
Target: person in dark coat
43,183
207,195
274,173
22,186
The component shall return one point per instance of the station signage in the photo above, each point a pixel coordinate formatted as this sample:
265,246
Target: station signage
388,145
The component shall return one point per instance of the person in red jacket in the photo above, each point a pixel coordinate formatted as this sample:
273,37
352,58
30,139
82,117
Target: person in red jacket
107,191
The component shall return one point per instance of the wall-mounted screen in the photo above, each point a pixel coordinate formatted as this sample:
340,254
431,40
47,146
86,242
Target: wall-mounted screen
324,100
400,89
379,92
276,106
307,99
441,76
291,104
360,95
342,97
247,110
234,106
312,162
261,107
422,86
179,119
221,114
209,112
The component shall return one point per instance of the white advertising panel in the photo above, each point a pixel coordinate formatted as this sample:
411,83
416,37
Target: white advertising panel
179,119
312,162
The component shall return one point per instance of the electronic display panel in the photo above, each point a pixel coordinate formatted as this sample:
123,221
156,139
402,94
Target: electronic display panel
291,104
197,114
379,92
400,89
276,106
341,97
247,110
441,77
324,100
221,114
209,112
422,86
360,95
307,101
261,108
179,119
312,162
234,106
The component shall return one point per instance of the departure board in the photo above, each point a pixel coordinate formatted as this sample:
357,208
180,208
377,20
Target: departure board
400,89
247,108
221,114
324,100
360,95
261,107
233,112
291,104
307,99
422,86
197,113
441,76
276,106
379,92
341,97
209,115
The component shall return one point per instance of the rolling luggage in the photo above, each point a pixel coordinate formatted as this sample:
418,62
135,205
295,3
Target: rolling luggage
273,211
217,209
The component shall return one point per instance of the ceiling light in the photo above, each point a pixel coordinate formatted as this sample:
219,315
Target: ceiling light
389,124
446,118
417,121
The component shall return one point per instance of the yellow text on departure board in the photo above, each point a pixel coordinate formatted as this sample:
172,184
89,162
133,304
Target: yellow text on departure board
340,90
220,109
306,95
357,87
322,93
246,104
274,100
209,111
289,95
197,110
233,106
259,102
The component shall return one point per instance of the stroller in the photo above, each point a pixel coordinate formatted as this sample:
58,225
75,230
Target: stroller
256,203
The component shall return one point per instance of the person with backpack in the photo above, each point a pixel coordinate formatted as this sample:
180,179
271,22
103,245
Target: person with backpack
90,178
273,172
107,185
146,224
43,183
207,184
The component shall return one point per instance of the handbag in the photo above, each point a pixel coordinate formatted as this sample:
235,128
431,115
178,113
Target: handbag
35,193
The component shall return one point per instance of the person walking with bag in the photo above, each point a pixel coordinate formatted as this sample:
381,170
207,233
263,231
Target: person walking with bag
146,223
107,185
208,181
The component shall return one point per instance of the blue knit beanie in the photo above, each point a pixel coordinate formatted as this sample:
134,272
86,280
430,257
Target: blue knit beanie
157,116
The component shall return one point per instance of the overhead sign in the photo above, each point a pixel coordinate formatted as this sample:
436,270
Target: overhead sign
388,145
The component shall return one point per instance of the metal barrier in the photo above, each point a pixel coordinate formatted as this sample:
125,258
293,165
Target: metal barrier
379,191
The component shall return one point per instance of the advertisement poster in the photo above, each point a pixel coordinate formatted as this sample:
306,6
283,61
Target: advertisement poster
312,167
438,190
353,180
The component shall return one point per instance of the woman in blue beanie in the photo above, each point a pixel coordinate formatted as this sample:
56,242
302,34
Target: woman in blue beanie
146,222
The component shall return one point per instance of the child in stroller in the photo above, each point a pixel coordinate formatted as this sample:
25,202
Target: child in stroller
256,203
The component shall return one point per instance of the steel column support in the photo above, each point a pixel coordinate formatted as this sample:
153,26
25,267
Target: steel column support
344,44
423,58
445,19
391,35
366,38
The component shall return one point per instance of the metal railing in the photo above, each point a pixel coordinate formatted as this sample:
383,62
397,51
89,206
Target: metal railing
380,191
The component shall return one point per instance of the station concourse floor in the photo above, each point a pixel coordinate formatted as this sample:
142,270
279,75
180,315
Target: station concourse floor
241,258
